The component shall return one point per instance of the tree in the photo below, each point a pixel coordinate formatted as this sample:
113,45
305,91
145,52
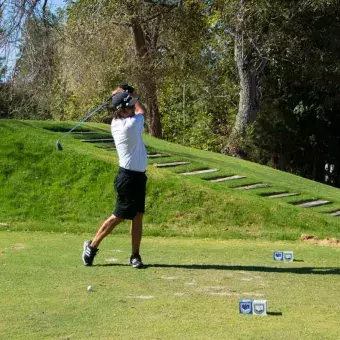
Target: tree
141,26
35,69
246,21
28,34
296,129
250,65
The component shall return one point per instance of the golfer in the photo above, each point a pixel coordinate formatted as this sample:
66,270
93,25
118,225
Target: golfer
130,181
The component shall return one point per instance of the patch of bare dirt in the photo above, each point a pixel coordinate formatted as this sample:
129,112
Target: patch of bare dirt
111,260
331,242
168,277
19,246
143,297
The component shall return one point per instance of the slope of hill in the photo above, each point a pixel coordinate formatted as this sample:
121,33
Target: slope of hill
71,190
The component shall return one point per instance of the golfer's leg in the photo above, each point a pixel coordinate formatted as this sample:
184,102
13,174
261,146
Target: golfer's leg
105,229
136,233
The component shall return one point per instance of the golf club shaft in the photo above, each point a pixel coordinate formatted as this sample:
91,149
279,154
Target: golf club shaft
85,118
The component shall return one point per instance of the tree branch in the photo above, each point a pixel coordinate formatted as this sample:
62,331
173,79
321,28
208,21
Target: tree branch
165,3
156,15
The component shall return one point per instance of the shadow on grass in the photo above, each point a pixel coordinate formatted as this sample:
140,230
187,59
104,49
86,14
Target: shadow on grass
296,270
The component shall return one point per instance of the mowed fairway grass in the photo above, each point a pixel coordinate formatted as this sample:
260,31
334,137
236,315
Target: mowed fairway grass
189,290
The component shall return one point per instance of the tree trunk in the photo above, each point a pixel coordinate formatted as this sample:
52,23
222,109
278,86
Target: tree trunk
319,171
147,81
249,103
336,170
155,126
249,99
334,174
250,67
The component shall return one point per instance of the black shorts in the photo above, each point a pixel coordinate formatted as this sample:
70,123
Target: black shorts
130,187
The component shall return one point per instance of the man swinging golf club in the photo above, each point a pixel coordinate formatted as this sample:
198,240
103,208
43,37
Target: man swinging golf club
130,181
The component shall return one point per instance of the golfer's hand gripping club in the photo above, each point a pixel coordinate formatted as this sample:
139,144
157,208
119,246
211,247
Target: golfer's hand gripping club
127,88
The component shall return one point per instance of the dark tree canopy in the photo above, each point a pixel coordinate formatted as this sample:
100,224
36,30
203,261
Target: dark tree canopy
255,79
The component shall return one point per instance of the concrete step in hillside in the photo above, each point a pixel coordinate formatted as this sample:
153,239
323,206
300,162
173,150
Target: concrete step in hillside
168,165
284,194
336,213
198,172
157,155
83,132
252,186
315,203
101,140
105,147
228,178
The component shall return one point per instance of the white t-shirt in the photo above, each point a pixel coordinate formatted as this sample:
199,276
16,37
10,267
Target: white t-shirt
127,134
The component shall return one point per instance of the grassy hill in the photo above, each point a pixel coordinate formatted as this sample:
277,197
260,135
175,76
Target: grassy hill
72,190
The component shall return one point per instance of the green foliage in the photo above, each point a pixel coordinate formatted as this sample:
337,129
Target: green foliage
70,66
298,127
36,68
106,46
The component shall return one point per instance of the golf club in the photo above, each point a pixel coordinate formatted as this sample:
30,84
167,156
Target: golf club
59,146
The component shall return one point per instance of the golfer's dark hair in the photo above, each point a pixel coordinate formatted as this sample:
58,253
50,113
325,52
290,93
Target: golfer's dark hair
116,114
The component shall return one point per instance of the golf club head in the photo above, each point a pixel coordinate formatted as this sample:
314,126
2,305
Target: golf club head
59,147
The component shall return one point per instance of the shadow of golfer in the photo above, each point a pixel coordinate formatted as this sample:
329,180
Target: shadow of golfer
291,270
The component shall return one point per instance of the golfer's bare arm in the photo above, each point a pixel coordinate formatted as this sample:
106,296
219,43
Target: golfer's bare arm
117,90
139,108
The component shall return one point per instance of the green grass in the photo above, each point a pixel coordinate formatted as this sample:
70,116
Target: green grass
48,190
190,289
